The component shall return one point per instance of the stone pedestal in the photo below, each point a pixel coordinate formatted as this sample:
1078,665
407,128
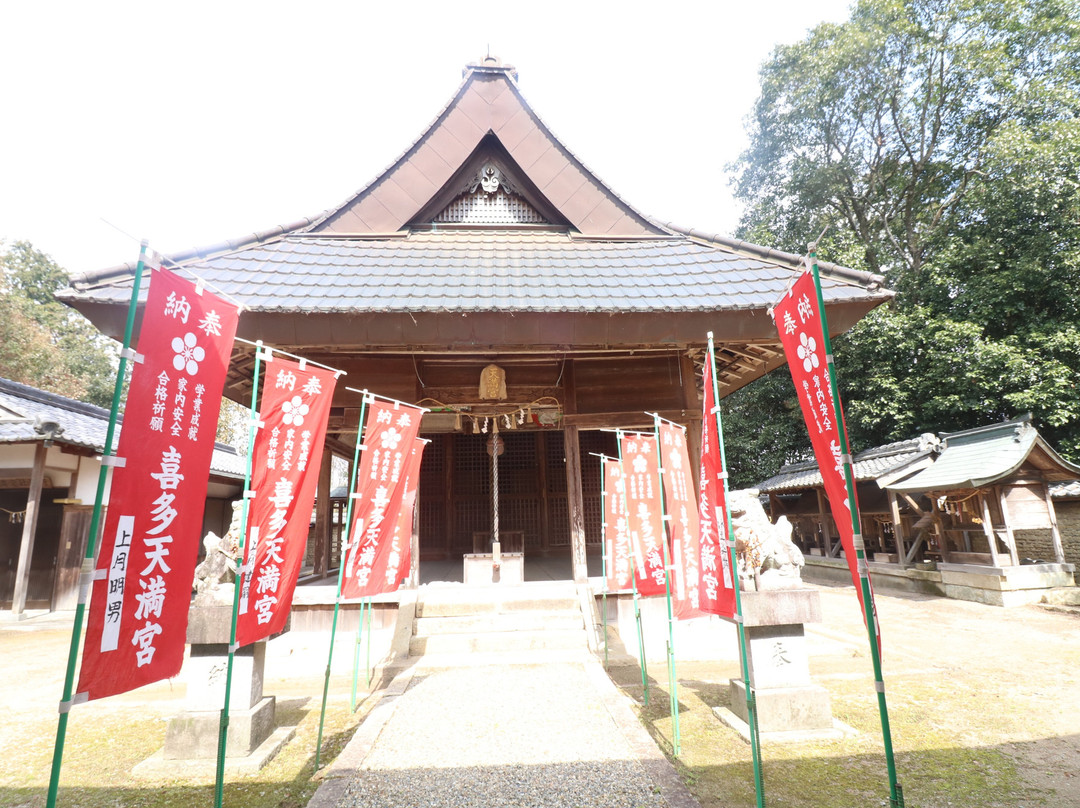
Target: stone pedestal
789,705
479,569
191,738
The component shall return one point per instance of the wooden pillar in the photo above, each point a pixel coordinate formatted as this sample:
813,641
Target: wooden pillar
26,546
691,403
1059,549
898,530
575,503
414,561
575,498
1010,537
448,493
322,516
823,515
988,528
74,533
542,482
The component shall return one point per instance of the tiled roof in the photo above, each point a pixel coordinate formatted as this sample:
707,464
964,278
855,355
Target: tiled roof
978,457
868,465
1062,490
491,270
83,424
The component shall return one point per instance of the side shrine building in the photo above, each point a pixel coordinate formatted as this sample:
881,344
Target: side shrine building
488,275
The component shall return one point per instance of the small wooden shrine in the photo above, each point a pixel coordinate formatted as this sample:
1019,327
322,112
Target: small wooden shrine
975,505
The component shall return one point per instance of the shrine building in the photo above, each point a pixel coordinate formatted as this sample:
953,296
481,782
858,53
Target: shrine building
491,277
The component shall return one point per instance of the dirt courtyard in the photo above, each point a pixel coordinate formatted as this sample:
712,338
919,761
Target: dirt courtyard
968,686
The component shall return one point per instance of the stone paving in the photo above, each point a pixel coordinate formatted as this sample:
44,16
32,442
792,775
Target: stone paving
555,734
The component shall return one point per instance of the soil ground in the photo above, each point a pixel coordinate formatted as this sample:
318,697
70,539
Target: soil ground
983,703
984,708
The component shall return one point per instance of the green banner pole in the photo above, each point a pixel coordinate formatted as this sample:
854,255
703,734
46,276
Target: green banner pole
341,572
665,535
896,792
751,696
238,582
633,581
367,657
86,576
356,657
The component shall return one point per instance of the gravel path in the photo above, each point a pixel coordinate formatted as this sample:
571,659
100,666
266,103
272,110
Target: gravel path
524,735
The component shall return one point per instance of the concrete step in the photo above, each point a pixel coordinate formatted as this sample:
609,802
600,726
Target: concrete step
500,659
487,623
464,601
499,642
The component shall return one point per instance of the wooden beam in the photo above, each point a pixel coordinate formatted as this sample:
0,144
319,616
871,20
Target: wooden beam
920,539
621,420
823,515
988,528
693,423
1059,550
898,529
1010,536
322,516
914,505
26,545
339,448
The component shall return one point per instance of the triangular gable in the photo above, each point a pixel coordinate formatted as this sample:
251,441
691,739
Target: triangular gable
488,103
489,189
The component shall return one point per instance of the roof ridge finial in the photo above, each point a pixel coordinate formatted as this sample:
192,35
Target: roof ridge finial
490,64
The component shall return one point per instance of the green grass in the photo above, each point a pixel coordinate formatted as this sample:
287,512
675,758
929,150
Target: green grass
104,745
940,737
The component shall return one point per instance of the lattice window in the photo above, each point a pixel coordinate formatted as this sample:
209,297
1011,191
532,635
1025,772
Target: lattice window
593,443
521,514
554,449
472,466
481,207
470,517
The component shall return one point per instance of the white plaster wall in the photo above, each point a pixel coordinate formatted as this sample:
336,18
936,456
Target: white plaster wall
86,486
19,456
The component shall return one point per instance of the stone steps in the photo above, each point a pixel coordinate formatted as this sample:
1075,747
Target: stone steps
498,625
547,620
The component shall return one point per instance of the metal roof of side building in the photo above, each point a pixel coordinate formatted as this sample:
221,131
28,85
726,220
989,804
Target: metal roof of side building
948,461
23,409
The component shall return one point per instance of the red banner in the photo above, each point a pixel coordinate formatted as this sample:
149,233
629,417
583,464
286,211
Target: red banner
799,322
389,436
286,456
616,530
400,560
681,506
717,592
641,475
137,626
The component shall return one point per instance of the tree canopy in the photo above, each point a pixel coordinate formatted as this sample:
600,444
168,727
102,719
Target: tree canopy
938,141
44,343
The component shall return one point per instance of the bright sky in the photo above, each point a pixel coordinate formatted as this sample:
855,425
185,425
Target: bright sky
191,123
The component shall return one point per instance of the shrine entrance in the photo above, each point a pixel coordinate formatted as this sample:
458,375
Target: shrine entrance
455,500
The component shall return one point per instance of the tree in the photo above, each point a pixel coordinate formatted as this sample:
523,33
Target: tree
43,342
939,142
